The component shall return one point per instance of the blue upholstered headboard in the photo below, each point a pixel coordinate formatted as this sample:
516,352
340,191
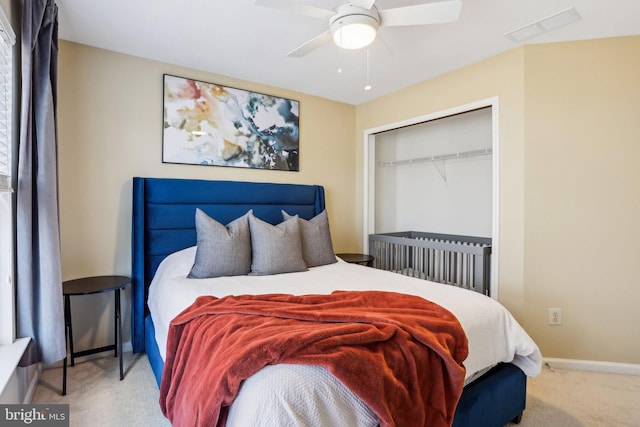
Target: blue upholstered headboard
164,221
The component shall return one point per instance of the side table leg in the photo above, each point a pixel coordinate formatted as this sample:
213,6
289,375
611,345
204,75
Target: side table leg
64,377
67,323
115,322
67,304
119,332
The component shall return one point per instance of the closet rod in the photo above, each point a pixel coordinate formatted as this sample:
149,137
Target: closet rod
458,155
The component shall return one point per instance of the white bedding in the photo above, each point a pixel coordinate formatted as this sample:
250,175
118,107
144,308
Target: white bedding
493,334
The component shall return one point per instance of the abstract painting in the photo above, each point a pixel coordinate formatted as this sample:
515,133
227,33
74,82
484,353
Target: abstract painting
211,124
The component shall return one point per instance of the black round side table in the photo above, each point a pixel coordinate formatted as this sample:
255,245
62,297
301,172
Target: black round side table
362,259
86,286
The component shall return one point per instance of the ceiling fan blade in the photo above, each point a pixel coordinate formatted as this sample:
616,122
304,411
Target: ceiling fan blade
420,14
311,45
299,8
365,4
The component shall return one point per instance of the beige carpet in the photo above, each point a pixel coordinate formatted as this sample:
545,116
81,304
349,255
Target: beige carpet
568,398
556,398
97,397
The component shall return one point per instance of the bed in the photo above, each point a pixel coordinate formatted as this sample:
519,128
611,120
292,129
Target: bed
164,230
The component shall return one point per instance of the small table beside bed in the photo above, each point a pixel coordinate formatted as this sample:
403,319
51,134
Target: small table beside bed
315,388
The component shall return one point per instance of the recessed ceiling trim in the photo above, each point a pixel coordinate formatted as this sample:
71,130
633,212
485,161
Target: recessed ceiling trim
557,20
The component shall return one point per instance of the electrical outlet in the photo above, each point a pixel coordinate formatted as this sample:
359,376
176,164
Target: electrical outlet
555,316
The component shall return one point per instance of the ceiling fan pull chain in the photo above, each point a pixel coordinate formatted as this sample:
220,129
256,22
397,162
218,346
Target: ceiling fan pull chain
367,85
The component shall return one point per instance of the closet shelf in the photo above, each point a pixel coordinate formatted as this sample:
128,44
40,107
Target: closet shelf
458,155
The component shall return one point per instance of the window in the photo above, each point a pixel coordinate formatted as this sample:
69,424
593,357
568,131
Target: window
7,318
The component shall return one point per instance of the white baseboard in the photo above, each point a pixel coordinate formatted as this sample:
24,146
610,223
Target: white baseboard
33,384
593,365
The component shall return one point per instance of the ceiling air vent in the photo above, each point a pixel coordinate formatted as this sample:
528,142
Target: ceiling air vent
549,23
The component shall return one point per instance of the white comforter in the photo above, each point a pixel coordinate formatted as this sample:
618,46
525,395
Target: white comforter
494,335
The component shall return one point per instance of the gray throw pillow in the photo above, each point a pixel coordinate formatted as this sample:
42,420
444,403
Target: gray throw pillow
275,249
317,248
222,250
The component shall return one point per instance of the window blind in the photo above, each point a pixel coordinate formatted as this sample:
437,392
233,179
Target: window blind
7,39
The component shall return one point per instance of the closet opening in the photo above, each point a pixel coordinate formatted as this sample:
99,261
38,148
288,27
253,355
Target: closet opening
435,177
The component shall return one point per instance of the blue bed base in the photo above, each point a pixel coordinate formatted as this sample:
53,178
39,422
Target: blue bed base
164,222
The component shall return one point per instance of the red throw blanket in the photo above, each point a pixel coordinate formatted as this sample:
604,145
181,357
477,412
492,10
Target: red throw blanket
414,347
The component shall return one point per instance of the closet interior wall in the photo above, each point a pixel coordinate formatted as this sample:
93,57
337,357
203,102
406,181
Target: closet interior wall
436,176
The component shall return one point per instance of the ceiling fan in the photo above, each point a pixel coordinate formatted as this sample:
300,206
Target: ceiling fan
354,24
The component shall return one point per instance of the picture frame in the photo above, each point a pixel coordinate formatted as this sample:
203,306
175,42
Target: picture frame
216,125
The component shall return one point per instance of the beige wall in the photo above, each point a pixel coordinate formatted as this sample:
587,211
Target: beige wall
568,178
110,130
582,197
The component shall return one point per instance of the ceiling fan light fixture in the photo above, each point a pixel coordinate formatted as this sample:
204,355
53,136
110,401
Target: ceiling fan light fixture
354,31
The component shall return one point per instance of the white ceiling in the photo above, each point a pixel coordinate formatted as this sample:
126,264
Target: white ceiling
239,39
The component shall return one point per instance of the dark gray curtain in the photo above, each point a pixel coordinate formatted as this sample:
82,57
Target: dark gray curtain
39,301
